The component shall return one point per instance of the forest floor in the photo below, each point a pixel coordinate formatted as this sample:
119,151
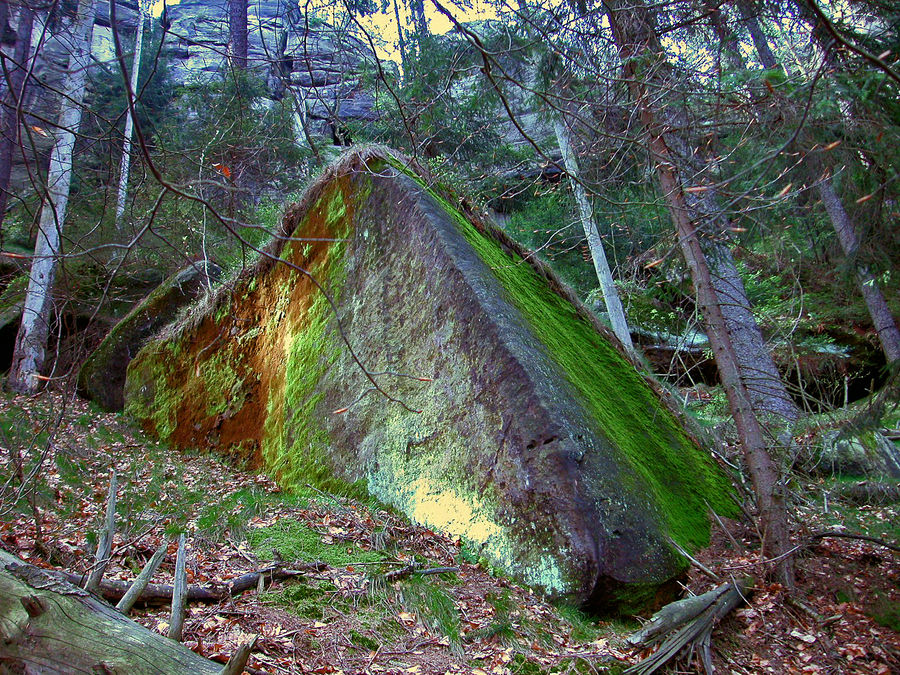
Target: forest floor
349,616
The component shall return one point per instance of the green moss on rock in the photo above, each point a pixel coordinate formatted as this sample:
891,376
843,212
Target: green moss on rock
102,376
501,414
630,414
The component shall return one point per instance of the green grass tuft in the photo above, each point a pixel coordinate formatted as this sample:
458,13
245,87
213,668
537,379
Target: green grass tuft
583,627
886,612
433,606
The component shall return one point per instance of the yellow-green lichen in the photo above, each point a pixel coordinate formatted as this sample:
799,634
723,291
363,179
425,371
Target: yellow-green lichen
155,397
295,446
224,387
683,481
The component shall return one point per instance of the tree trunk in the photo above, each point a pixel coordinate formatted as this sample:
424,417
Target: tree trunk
595,244
4,16
237,34
9,126
749,12
637,43
844,227
758,371
728,43
417,14
31,341
885,326
125,165
50,626
401,41
768,395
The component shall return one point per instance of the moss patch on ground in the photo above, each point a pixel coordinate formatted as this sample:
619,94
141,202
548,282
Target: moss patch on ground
295,541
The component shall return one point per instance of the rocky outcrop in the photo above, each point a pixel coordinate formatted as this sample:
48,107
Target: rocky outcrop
12,300
322,64
451,378
102,376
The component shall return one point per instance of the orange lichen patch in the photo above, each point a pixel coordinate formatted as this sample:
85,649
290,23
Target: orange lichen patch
224,371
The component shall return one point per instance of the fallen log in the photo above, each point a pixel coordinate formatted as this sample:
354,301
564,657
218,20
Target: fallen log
133,594
160,594
866,492
49,625
154,594
687,623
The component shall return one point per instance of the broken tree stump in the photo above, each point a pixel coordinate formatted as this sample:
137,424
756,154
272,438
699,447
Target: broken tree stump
687,623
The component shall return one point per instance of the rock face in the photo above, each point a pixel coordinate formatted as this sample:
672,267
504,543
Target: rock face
12,300
102,377
321,62
514,423
324,64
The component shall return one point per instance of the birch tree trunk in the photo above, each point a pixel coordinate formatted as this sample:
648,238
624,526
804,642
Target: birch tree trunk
595,244
125,164
9,126
417,15
639,52
31,342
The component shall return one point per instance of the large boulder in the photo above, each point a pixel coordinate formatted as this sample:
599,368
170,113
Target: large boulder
842,452
102,376
12,300
451,377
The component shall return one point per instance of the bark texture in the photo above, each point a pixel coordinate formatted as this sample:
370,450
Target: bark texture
9,132
885,326
237,34
31,342
50,626
125,164
749,12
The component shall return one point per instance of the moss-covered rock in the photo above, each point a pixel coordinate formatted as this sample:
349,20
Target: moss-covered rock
102,376
867,454
12,299
515,422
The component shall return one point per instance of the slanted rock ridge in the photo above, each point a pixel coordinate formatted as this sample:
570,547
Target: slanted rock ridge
387,343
